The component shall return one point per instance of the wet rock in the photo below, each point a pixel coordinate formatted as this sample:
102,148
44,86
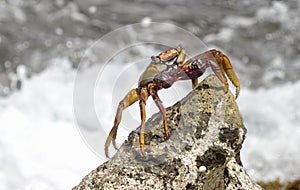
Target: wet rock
203,152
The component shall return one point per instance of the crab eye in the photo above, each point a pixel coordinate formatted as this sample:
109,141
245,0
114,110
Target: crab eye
180,46
155,59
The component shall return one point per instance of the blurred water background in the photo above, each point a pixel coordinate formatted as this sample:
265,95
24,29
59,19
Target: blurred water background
42,43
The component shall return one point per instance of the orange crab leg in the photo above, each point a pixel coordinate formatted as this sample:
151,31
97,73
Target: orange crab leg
129,99
161,107
226,66
143,98
219,71
231,75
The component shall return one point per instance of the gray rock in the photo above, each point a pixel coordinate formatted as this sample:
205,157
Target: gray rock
203,152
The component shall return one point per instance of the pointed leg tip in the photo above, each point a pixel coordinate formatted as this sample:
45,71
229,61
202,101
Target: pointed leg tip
143,153
107,144
237,92
115,144
106,153
142,150
167,137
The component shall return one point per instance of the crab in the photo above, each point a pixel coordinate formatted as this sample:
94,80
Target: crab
165,69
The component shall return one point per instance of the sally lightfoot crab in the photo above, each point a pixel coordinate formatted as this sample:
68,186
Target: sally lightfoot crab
165,69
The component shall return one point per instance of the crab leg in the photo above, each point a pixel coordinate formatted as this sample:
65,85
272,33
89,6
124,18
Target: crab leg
231,75
129,99
219,71
161,107
219,63
196,66
143,98
194,82
226,66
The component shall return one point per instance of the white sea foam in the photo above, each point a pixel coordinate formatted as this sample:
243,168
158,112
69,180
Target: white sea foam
272,117
39,146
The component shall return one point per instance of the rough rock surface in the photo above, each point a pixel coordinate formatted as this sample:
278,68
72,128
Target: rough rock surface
203,152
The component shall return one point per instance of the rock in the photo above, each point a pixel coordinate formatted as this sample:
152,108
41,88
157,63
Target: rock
203,152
